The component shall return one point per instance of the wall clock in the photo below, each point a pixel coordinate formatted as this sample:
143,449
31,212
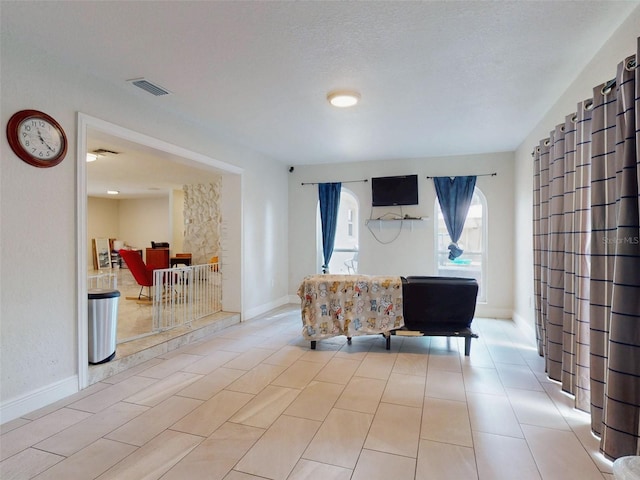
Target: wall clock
37,138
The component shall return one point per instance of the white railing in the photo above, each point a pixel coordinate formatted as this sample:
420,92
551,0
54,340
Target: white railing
108,281
182,295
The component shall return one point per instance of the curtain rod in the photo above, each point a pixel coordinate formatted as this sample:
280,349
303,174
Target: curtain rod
348,181
481,175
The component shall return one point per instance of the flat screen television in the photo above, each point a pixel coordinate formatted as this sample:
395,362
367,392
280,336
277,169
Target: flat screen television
399,190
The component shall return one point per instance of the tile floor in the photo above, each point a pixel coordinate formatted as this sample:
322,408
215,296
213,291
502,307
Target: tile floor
253,401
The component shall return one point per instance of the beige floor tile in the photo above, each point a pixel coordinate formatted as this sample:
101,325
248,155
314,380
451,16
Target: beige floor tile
234,475
315,401
417,345
265,407
89,462
395,429
205,419
383,466
340,438
408,363
84,433
171,365
16,423
163,389
209,363
536,408
338,370
518,376
362,395
308,470
155,458
249,359
208,346
112,394
482,380
560,454
276,453
358,349
27,464
216,456
446,421
404,390
443,461
321,356
444,359
500,457
445,385
152,422
580,424
298,375
285,356
503,352
493,414
377,365
257,378
37,430
209,385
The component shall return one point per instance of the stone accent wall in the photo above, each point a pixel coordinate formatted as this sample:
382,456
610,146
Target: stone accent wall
202,221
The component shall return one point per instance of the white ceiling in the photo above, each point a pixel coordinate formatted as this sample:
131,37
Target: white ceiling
436,77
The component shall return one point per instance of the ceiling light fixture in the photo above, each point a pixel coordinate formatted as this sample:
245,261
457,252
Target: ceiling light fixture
112,192
92,157
343,98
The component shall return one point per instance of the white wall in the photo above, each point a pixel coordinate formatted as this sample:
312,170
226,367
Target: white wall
412,253
601,69
144,220
38,239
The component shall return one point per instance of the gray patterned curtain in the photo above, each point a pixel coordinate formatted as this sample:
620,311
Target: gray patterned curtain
587,258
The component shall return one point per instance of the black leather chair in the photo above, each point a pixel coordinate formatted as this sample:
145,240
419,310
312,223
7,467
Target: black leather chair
439,306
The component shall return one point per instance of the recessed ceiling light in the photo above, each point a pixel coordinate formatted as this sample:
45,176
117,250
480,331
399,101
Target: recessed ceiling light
92,157
343,98
112,192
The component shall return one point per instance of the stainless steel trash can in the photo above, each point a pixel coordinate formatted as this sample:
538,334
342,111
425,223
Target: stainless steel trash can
103,324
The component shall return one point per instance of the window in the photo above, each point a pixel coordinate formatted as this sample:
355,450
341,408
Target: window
473,241
345,248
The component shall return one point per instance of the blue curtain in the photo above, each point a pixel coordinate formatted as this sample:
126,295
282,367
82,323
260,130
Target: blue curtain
454,195
329,195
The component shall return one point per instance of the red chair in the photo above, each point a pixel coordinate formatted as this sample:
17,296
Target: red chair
142,274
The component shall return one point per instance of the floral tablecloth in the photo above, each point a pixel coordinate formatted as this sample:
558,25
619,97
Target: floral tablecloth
350,305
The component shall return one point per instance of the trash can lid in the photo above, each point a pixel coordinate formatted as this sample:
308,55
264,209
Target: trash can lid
97,293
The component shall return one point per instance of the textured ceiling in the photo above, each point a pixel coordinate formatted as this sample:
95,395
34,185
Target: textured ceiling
436,77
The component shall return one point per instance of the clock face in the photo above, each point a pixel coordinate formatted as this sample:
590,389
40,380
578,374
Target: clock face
37,138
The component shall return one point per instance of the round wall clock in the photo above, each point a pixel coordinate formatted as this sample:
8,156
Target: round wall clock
37,138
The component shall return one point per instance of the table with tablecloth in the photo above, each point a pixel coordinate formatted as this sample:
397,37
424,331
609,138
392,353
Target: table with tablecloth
350,305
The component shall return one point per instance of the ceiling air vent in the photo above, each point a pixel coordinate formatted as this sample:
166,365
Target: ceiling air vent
147,86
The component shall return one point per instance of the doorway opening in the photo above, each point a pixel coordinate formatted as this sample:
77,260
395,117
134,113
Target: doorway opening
175,161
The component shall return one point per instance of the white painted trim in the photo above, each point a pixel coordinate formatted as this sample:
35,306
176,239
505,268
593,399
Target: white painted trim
525,326
84,123
488,312
259,310
16,407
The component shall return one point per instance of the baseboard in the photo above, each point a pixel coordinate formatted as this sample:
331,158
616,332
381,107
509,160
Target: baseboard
483,311
14,408
524,325
259,310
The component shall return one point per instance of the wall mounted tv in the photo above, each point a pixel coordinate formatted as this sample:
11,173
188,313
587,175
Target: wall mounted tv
400,190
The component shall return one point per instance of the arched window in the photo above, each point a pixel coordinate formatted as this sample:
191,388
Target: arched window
345,248
472,262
